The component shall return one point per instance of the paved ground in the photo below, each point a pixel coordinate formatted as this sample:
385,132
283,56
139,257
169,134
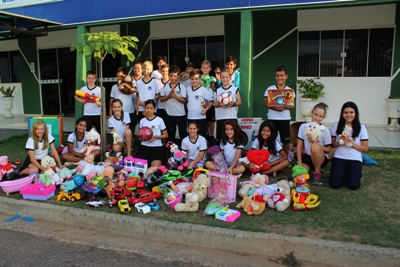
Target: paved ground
8,132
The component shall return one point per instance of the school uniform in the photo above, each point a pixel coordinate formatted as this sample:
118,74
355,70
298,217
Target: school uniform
272,157
154,150
119,125
226,113
129,102
195,99
77,144
91,112
194,148
229,150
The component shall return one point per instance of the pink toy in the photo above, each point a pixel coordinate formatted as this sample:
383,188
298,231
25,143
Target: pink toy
177,159
5,167
220,162
16,185
222,183
227,215
173,198
92,142
145,133
135,165
37,191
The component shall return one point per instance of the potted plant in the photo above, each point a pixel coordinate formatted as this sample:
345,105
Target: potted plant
310,90
8,99
393,107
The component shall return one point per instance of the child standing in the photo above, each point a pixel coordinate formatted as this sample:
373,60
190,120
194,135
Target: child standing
228,112
230,65
127,100
173,94
195,147
267,139
231,145
161,60
280,115
37,146
119,122
75,143
189,67
161,84
199,101
209,82
316,150
147,88
153,149
91,111
347,160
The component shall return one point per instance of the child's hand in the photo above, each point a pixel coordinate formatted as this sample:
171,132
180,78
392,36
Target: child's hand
230,170
190,166
204,111
311,140
152,139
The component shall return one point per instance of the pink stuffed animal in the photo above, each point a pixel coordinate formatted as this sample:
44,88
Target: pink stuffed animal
6,168
92,142
177,158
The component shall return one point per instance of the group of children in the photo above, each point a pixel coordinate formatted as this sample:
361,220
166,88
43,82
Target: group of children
192,110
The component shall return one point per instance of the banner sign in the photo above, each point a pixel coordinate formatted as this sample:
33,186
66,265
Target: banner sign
4,4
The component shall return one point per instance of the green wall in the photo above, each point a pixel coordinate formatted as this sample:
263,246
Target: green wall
395,90
269,26
140,29
30,86
232,36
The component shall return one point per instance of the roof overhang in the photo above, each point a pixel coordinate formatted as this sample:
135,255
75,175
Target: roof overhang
15,26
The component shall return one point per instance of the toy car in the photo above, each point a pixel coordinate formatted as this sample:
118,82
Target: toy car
72,196
143,196
153,206
90,191
95,204
142,208
119,192
123,206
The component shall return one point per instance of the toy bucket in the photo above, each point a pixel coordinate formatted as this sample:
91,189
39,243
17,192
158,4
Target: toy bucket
172,198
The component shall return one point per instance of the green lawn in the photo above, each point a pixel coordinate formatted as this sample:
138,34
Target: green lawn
367,216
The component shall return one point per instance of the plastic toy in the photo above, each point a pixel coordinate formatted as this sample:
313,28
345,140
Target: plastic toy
220,162
199,171
172,198
135,165
345,137
183,187
145,133
252,205
225,99
171,175
68,185
72,196
86,165
118,193
142,208
215,205
79,179
221,183
5,167
227,215
90,191
123,206
16,185
312,129
37,191
51,177
153,206
177,159
88,97
143,196
259,158
301,194
281,199
95,204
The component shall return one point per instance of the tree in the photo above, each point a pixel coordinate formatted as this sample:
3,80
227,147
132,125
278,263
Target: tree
98,45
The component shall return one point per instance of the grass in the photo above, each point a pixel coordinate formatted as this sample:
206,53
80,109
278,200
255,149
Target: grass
367,216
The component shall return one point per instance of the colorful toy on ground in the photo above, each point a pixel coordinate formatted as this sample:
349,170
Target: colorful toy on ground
153,206
16,185
72,196
191,204
172,198
135,165
68,185
88,97
221,183
177,159
95,204
227,215
259,158
65,173
142,208
6,168
123,206
215,205
91,191
143,196
256,181
281,199
301,194
37,191
252,205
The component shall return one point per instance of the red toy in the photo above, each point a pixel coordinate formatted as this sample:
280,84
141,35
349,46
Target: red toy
143,196
259,158
88,97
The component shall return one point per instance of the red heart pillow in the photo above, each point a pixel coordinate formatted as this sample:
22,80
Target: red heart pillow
258,157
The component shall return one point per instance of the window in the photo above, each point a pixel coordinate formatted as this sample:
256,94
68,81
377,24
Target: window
9,67
346,53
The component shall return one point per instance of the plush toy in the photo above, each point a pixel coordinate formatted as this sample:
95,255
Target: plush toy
92,142
49,163
312,129
65,173
6,168
259,158
345,137
116,137
177,159
281,199
252,205
68,185
53,177
125,85
256,180
113,157
199,187
191,204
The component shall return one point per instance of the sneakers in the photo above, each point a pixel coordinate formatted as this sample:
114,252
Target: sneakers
13,175
362,176
275,174
317,179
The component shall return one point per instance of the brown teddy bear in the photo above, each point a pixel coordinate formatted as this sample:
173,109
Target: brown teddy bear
252,205
125,85
199,187
281,199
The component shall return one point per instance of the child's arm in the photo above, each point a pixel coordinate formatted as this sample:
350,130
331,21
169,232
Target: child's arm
281,159
31,155
80,100
235,161
56,156
238,99
209,105
164,135
76,154
299,148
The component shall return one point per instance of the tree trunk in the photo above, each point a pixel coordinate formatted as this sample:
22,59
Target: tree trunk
103,116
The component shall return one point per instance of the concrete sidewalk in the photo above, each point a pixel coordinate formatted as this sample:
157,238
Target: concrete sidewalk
269,245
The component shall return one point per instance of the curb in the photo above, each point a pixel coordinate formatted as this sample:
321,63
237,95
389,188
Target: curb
269,245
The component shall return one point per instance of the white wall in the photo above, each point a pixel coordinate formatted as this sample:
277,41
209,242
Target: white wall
367,93
18,108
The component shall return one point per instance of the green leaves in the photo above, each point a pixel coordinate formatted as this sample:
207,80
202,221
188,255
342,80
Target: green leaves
7,92
311,88
98,44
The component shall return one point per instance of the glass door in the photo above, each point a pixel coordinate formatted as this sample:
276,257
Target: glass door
50,83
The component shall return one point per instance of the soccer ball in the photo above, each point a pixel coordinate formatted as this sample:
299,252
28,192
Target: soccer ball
145,133
225,99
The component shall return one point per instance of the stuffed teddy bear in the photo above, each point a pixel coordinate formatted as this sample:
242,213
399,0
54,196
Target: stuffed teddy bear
191,204
200,185
259,158
125,85
312,129
252,205
345,137
92,142
256,180
49,163
6,168
177,159
281,199
65,173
